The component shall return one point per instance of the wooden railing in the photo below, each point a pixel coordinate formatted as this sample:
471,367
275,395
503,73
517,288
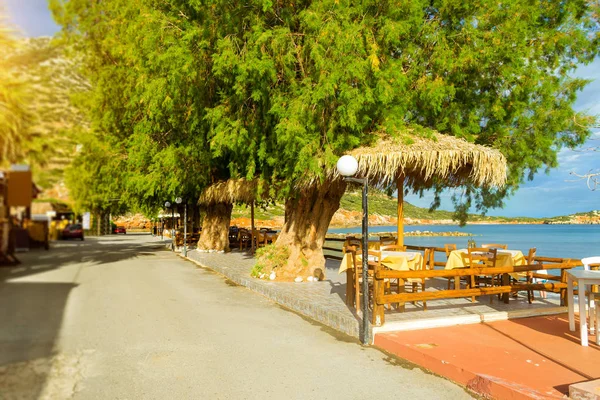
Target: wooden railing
333,248
380,298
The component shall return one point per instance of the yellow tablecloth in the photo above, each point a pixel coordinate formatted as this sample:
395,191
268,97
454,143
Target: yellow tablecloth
504,258
396,260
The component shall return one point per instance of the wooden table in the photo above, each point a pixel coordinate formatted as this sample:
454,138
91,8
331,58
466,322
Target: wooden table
396,260
583,279
504,258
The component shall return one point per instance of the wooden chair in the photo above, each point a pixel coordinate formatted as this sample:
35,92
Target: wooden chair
387,241
350,252
425,265
478,257
260,239
494,246
375,263
244,238
233,236
354,242
393,247
530,261
271,238
358,268
449,248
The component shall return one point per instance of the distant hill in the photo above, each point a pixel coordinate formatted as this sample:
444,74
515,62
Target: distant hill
54,79
590,217
383,211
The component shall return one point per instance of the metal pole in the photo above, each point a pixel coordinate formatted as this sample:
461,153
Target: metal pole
365,264
162,227
173,228
185,231
252,226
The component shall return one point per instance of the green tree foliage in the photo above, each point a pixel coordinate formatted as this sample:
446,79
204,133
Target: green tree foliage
95,178
280,89
52,79
332,73
148,95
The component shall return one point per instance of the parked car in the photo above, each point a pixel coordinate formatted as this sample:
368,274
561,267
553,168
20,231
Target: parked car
120,229
73,231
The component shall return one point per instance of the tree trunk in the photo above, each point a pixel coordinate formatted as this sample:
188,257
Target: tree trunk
307,219
215,227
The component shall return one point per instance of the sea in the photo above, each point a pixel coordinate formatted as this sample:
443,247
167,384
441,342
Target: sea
565,241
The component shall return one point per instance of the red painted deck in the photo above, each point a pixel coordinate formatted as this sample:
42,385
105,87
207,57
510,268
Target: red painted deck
515,359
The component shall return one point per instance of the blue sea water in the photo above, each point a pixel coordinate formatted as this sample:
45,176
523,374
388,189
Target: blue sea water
565,241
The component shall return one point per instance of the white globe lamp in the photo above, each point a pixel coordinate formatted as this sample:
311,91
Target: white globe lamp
347,165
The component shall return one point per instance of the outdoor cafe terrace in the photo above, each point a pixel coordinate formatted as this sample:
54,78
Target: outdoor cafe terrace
457,337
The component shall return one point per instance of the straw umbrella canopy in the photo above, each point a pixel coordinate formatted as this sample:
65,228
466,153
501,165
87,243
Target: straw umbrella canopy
420,162
230,192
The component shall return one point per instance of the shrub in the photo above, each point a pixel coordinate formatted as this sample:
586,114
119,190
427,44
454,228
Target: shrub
269,258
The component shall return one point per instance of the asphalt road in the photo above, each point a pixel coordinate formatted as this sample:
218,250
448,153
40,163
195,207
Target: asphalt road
123,318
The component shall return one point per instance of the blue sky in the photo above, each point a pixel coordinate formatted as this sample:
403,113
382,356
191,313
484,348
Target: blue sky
547,195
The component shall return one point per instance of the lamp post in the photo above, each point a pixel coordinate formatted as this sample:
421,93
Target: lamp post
347,167
168,205
179,200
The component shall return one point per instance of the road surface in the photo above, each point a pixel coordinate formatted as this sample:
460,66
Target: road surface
124,318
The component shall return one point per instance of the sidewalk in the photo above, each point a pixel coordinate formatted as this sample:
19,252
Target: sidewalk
322,301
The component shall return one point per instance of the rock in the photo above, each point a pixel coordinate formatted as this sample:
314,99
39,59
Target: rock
310,278
272,276
298,279
262,276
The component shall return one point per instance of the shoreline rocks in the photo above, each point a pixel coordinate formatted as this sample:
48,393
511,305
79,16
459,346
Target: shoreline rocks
406,234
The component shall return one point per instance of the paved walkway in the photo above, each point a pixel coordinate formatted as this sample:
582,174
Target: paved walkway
322,301
122,318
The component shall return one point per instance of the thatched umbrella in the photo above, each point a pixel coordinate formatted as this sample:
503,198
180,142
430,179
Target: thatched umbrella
230,191
218,199
419,162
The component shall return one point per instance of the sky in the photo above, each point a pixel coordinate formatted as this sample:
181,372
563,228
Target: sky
547,195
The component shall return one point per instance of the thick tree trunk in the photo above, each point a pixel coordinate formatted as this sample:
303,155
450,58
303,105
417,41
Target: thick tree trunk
307,219
215,228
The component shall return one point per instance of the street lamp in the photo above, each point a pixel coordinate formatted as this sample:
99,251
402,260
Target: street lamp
179,200
347,167
167,206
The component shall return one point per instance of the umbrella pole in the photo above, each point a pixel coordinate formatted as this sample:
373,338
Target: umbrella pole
400,187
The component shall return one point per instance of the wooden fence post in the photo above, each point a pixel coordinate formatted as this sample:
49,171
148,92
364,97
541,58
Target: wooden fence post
378,292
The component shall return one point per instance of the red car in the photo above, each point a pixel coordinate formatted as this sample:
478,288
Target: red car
120,229
73,231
